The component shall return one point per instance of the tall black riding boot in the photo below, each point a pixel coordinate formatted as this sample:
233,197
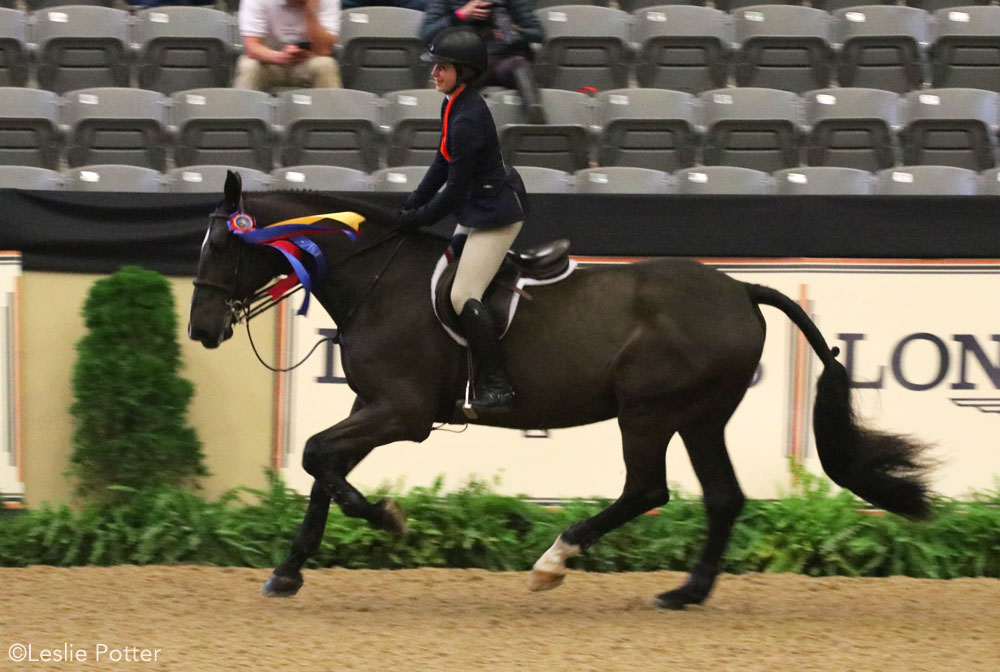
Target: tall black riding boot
531,98
493,389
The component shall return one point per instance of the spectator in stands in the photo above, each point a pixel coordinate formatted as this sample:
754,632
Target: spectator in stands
480,191
288,43
508,27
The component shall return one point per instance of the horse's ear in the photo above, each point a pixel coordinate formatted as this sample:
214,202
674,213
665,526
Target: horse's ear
234,188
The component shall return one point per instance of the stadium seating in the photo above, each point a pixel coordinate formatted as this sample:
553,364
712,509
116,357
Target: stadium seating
82,47
852,127
882,46
927,181
29,177
114,178
14,54
783,47
379,49
623,180
682,47
989,182
752,128
647,128
951,127
184,48
29,128
320,178
223,127
723,180
824,181
584,46
539,180
413,120
564,143
116,125
966,48
398,178
210,179
335,127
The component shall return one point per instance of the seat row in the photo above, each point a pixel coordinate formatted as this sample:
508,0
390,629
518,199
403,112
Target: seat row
681,47
705,180
762,129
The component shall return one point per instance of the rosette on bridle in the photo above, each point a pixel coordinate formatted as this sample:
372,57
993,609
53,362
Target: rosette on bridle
290,238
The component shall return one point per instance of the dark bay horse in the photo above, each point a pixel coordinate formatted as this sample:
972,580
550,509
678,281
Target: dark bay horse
667,346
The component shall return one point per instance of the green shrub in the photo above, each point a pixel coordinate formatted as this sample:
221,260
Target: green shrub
130,413
811,531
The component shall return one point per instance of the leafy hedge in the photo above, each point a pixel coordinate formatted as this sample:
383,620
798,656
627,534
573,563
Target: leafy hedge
811,531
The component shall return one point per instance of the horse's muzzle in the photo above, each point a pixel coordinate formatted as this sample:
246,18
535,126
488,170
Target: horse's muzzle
207,338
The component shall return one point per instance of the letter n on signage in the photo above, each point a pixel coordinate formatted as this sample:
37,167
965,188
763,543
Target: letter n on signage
330,357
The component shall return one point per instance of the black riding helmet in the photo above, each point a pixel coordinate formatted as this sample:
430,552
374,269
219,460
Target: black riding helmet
458,46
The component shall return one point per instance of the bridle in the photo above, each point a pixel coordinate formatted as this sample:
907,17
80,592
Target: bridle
262,300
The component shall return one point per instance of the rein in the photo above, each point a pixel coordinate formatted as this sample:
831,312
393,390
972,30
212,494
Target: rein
265,298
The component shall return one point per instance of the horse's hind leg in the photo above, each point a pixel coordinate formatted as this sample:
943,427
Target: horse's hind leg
723,498
645,489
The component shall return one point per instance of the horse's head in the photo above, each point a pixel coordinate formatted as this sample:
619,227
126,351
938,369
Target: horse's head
225,280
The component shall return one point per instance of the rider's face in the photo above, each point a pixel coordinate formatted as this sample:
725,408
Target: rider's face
445,77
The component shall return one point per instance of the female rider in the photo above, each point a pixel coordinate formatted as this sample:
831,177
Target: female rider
484,196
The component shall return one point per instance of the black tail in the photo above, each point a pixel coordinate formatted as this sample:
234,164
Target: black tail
888,470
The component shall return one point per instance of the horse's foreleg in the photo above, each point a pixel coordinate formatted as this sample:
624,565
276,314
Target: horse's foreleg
724,499
329,456
645,489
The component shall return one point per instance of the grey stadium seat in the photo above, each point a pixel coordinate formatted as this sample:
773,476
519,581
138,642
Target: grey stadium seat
647,128
681,47
413,121
966,48
584,47
734,5
853,127
623,180
833,5
320,178
824,181
398,178
723,180
563,143
938,5
222,127
29,177
927,181
336,127
184,48
783,47
81,47
29,127
37,5
752,127
951,127
882,47
545,180
14,54
210,179
114,178
116,125
380,50
989,182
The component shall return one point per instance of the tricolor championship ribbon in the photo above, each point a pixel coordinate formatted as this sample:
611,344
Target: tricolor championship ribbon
289,238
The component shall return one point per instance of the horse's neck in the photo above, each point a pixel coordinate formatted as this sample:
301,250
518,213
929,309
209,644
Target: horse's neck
357,275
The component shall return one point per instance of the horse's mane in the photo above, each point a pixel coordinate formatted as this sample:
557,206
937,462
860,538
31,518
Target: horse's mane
271,206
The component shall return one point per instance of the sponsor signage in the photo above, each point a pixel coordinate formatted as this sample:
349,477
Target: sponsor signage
11,463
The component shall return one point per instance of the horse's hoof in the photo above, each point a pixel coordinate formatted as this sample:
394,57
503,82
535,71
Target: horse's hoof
282,586
393,518
540,580
676,599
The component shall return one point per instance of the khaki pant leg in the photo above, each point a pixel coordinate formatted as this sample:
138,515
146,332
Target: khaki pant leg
481,259
256,76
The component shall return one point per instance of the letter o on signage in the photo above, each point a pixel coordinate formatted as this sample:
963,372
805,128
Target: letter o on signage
943,361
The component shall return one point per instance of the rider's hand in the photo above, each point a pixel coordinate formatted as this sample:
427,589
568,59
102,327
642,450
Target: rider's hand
476,10
407,218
